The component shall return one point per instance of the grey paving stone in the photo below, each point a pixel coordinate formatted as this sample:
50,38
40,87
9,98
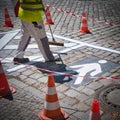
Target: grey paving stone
71,93
17,82
30,81
68,101
43,79
62,88
35,92
82,107
106,82
81,115
22,77
88,91
82,97
28,72
95,85
35,76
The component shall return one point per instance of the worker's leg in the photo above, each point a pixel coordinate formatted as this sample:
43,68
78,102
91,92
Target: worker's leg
38,31
25,39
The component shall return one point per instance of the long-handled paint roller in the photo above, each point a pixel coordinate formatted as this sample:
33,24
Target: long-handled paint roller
53,42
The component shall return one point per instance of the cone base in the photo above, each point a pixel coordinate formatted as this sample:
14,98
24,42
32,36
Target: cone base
5,25
13,90
7,94
47,23
63,116
82,31
94,116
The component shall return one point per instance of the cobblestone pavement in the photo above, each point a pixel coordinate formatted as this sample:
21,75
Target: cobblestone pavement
30,81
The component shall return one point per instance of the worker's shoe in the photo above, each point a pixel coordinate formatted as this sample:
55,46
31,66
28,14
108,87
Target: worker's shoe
55,60
20,60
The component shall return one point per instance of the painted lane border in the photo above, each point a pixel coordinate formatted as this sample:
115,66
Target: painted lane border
80,44
7,37
85,44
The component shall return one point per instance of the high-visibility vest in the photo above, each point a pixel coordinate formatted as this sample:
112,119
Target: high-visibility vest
31,10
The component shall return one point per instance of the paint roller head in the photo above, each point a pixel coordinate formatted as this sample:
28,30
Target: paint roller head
56,43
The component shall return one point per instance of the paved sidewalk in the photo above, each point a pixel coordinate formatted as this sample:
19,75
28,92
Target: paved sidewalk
102,46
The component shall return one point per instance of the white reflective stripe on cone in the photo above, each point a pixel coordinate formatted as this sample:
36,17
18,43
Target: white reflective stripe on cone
84,18
85,25
51,91
51,106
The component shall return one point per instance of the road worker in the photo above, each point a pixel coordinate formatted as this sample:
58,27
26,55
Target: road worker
30,13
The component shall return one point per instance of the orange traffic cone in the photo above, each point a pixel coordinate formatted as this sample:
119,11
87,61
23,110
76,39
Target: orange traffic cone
84,25
48,16
95,111
8,22
52,110
5,90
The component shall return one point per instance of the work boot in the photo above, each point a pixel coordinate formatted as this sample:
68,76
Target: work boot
55,60
20,60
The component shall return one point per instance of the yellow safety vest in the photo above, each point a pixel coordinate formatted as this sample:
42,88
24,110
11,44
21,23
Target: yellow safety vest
31,10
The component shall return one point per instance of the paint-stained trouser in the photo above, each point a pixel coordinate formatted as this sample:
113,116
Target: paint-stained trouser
37,30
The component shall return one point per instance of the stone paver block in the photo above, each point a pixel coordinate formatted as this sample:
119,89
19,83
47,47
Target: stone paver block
14,74
81,107
22,69
17,82
89,101
68,101
22,77
62,88
35,92
95,85
88,91
71,93
60,95
81,115
28,72
30,81
106,82
35,76
43,79
39,85
82,97
80,88
73,118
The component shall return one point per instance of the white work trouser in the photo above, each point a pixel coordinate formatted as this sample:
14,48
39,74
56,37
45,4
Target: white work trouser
37,30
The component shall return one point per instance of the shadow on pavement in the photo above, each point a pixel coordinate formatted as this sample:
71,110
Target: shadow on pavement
58,71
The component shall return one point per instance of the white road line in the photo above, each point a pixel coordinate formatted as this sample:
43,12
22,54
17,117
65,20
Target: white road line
74,45
86,44
71,48
33,46
18,30
6,38
33,60
16,46
10,59
36,58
